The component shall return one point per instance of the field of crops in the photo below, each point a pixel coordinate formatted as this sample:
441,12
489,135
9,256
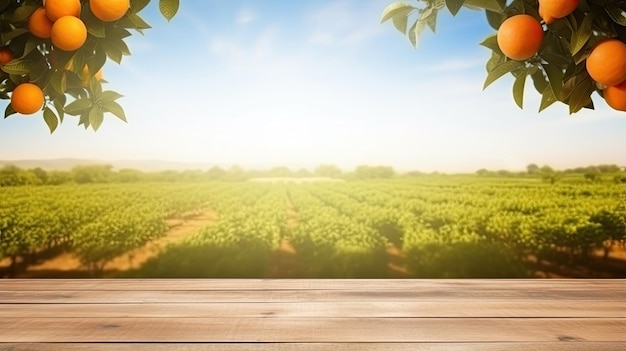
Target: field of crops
430,226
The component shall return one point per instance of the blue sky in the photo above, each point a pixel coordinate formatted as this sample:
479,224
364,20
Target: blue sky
299,83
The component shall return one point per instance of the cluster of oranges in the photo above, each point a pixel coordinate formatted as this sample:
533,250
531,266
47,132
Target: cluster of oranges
520,37
60,22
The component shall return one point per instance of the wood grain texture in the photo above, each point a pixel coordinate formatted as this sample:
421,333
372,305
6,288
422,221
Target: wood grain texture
236,314
309,330
494,285
544,346
461,308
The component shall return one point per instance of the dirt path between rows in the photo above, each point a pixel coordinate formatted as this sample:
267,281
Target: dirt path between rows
66,265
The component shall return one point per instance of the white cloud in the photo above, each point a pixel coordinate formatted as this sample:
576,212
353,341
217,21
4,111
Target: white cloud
245,16
344,23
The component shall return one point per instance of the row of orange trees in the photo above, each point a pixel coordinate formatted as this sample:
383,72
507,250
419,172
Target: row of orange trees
444,226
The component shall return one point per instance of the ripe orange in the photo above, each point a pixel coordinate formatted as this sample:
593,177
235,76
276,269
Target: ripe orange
27,98
39,24
56,9
550,10
548,19
520,36
615,96
5,55
109,10
606,63
69,33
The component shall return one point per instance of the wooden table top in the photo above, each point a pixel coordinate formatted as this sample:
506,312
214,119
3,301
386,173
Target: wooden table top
315,315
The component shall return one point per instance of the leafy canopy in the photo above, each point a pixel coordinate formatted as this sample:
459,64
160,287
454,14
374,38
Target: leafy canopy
68,90
558,70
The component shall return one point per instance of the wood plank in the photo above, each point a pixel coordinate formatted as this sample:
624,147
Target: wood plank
495,285
542,346
311,330
465,308
360,295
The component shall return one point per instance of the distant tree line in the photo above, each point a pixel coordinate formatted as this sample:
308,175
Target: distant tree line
548,174
11,175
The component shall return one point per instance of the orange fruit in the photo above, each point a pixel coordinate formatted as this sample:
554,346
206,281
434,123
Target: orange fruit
56,9
5,55
548,19
615,96
551,10
27,98
520,36
69,33
39,24
606,63
109,10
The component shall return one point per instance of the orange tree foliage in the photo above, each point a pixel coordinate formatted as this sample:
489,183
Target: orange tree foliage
69,88
558,70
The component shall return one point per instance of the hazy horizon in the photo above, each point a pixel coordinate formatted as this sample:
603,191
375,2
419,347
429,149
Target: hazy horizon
319,82
155,165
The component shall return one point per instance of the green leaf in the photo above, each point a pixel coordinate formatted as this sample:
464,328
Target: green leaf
138,22
18,67
109,95
431,20
396,9
581,95
51,119
494,18
138,5
494,60
9,111
582,34
78,107
168,8
59,82
454,6
555,78
22,13
412,35
112,50
491,42
114,108
419,28
502,69
617,14
547,98
84,120
400,22
493,5
96,116
8,36
539,81
518,88
59,103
